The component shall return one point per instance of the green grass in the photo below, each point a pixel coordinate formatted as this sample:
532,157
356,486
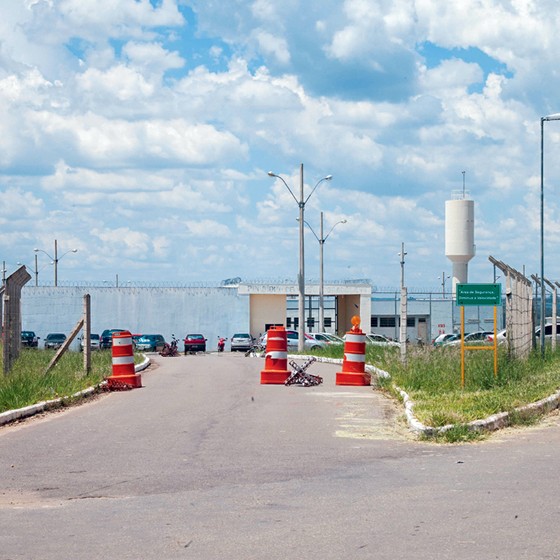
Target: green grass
432,379
430,376
27,384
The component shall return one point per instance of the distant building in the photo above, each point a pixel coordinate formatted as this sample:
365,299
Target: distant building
222,310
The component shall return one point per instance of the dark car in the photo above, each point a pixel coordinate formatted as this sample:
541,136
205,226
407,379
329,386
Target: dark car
55,340
29,339
107,338
194,343
150,343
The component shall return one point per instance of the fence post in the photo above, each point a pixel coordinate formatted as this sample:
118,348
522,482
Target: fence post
86,334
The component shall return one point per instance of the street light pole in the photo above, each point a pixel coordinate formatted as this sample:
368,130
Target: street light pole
443,278
404,307
321,241
301,273
55,259
55,263
35,272
554,117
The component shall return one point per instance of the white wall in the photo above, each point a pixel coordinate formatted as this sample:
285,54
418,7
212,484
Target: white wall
212,312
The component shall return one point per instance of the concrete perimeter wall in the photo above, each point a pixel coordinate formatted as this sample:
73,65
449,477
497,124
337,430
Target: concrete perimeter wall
212,312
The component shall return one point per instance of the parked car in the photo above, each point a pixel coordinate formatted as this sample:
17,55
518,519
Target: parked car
327,338
442,338
194,343
380,340
548,331
29,339
478,337
150,343
451,339
500,336
293,341
241,342
55,340
107,338
94,340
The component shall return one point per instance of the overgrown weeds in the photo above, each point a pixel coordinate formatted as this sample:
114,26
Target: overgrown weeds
432,379
27,383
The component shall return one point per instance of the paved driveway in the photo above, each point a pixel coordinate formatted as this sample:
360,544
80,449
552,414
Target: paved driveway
203,462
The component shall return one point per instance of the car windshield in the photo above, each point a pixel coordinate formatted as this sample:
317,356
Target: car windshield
195,337
333,338
241,335
146,338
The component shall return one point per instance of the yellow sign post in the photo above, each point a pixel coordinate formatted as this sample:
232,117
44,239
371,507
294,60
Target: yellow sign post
478,294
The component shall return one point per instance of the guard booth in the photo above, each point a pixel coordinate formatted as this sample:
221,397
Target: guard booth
268,304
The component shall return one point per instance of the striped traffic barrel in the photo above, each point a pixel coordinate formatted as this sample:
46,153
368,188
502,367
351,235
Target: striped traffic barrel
124,374
275,370
354,361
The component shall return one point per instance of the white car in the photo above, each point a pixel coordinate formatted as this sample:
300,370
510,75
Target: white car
548,330
443,338
478,337
380,340
327,338
293,339
500,336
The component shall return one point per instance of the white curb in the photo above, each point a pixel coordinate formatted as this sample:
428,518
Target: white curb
27,411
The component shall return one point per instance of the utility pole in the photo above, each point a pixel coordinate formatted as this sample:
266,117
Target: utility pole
403,315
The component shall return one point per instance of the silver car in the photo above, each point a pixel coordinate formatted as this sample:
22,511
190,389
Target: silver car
241,342
327,338
380,340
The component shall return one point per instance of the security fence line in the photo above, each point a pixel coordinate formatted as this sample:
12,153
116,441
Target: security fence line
519,310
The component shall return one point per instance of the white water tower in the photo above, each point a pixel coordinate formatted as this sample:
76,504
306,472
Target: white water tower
459,237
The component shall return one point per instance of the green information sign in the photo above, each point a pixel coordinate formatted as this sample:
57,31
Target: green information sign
479,294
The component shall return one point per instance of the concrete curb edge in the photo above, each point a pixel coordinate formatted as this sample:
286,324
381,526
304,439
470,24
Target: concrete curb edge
491,423
27,411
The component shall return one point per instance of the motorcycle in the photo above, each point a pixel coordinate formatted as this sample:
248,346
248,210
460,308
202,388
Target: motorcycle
221,343
170,350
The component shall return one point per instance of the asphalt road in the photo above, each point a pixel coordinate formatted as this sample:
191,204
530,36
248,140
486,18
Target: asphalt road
203,462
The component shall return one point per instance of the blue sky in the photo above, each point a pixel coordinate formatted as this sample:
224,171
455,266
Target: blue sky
142,134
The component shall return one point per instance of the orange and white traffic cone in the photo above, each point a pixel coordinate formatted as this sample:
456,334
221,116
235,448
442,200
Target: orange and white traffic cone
275,370
124,375
354,362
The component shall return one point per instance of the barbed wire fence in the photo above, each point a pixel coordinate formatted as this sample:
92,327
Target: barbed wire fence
519,310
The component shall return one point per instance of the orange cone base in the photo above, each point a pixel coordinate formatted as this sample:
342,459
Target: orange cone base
133,380
274,377
359,379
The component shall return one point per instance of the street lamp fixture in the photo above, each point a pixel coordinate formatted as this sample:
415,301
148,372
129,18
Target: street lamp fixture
321,241
554,117
55,259
301,274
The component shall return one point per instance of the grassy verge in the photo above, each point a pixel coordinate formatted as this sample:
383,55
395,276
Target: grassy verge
432,379
26,384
